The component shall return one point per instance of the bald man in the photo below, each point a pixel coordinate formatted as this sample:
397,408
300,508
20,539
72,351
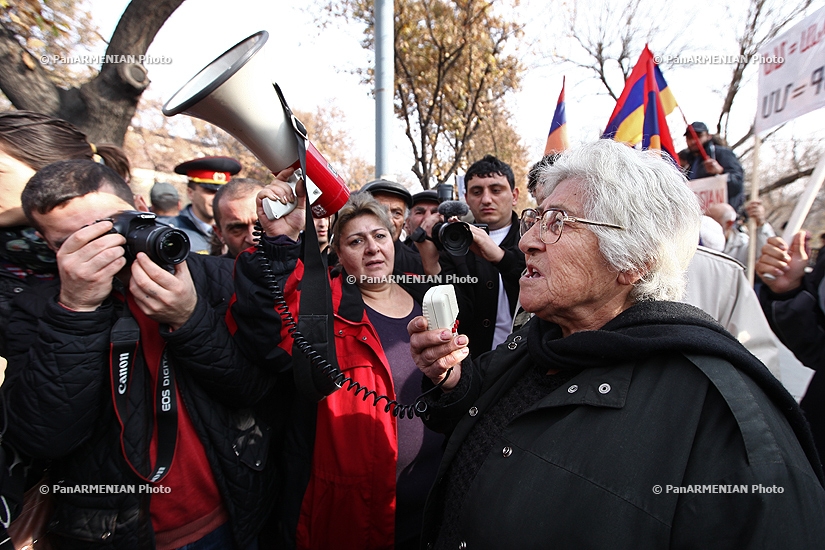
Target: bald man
736,241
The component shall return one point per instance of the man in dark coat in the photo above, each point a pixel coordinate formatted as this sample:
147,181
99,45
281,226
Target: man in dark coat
721,160
124,375
489,274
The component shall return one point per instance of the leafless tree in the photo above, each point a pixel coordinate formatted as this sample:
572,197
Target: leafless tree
103,105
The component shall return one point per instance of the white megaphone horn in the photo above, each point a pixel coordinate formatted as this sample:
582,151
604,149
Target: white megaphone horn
234,94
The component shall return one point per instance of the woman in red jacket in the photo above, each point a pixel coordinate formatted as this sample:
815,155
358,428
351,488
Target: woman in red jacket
364,476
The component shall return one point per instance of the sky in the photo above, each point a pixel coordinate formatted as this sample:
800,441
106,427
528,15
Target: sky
315,67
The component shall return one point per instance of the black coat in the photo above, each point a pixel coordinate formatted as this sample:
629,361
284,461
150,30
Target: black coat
478,301
61,409
798,319
594,464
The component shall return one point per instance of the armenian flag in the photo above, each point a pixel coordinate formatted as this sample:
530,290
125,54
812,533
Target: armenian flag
557,137
627,121
656,134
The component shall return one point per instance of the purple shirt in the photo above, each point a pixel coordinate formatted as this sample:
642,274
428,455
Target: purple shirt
419,449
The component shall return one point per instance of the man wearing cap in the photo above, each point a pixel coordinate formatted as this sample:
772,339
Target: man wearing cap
165,201
424,214
398,202
206,175
721,160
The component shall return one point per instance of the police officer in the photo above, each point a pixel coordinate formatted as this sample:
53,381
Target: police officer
206,175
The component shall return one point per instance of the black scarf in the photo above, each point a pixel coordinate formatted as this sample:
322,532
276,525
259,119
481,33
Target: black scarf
655,328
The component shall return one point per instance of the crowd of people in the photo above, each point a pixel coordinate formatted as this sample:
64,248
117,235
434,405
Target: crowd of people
610,382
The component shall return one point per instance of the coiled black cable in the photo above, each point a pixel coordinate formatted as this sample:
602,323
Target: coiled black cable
399,410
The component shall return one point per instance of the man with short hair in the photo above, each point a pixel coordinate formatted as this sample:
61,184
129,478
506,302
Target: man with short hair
165,201
536,170
235,216
322,231
721,160
206,175
495,263
123,374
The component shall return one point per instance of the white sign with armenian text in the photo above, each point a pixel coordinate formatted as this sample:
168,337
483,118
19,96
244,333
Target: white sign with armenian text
792,73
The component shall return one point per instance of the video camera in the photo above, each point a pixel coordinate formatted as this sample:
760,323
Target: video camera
453,236
165,245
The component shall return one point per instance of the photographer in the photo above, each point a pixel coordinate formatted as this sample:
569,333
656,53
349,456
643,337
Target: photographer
494,265
124,375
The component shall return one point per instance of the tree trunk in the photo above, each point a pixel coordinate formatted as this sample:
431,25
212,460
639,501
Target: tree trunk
104,106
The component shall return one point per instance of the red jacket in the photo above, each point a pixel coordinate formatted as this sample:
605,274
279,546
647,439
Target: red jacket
350,499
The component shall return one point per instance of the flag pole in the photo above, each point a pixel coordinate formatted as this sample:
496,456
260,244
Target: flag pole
693,134
757,141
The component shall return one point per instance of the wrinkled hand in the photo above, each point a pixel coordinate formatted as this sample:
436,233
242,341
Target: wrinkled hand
279,190
786,265
484,246
435,351
712,167
88,262
164,297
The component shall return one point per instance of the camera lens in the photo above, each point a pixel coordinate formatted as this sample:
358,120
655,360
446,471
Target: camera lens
456,238
166,246
173,246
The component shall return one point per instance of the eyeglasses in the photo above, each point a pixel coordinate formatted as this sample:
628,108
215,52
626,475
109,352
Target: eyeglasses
552,223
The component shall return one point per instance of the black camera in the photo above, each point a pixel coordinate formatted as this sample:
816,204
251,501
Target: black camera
455,237
165,245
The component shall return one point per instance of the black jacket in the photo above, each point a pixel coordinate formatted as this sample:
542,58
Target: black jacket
798,319
61,409
478,301
730,164
595,463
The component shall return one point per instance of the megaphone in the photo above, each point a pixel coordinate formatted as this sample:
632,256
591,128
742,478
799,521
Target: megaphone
233,93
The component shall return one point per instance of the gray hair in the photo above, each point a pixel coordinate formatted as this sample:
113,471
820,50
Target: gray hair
360,203
647,195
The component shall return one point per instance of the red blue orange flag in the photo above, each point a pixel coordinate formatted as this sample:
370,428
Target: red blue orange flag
627,121
656,134
557,138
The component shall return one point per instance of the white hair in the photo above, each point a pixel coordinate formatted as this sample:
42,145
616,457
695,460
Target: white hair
648,196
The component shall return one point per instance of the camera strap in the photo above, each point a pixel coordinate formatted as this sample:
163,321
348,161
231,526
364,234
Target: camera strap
124,348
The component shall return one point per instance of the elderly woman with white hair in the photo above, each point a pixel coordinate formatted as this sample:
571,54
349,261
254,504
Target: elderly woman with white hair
616,418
